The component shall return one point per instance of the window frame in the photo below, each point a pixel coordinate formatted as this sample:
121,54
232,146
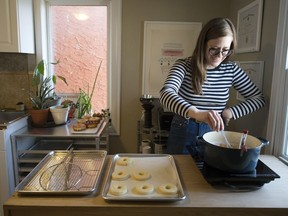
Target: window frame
113,52
278,117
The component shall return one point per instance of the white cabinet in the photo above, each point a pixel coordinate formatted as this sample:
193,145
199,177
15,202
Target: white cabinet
7,185
4,190
17,26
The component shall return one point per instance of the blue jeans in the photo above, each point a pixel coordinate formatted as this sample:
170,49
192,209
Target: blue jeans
183,136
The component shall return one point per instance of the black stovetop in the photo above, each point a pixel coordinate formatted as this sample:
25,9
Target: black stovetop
238,181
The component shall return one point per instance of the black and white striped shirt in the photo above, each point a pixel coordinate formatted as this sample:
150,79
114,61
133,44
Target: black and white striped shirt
177,94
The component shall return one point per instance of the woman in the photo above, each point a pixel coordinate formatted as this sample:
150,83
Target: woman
197,89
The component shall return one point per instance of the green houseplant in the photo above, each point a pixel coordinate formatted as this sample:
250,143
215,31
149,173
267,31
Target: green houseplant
84,104
43,96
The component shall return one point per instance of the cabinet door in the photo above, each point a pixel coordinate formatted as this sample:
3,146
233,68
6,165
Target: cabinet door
16,24
4,190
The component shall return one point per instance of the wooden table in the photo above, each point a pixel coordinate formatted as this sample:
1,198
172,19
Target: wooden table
201,198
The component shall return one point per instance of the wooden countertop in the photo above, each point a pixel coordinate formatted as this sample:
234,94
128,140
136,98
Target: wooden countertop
201,198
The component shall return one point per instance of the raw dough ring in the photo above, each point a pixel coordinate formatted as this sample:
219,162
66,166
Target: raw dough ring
124,161
144,189
141,175
118,189
168,189
120,175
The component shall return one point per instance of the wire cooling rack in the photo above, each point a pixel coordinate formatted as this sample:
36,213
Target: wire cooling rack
65,172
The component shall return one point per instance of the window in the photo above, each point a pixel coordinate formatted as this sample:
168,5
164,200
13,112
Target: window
277,132
80,59
78,40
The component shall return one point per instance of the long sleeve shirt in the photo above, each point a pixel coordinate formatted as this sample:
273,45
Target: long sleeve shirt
177,94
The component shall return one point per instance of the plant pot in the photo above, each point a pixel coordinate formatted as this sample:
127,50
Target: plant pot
60,114
39,117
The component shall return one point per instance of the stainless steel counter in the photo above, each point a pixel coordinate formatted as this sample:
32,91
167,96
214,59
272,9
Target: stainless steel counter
60,131
9,116
31,144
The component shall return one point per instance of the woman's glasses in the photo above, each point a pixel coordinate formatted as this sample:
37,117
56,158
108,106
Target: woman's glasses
216,51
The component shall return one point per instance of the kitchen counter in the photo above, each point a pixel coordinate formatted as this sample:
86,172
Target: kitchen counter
201,198
31,144
7,117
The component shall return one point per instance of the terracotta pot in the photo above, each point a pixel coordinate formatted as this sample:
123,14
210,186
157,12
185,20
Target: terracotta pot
39,117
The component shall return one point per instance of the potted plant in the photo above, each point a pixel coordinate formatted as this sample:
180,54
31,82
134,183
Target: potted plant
43,96
84,105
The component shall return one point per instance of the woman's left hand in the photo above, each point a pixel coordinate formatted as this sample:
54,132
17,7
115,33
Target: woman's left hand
227,116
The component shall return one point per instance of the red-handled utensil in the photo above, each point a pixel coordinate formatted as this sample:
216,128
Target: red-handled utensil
242,144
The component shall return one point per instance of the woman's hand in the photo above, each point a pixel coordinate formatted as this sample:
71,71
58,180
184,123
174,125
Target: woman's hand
227,116
214,120
211,117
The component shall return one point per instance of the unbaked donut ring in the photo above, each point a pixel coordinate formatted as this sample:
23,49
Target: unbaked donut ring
124,161
168,189
120,175
118,189
141,175
144,189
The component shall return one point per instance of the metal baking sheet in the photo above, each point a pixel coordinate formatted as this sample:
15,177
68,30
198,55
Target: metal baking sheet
65,173
162,169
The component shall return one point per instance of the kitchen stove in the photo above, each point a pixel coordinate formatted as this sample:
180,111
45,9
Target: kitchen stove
232,181
237,181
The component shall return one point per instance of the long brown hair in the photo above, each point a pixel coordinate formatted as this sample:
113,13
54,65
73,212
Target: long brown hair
215,28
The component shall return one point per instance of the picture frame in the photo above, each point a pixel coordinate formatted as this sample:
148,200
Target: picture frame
164,43
249,24
254,69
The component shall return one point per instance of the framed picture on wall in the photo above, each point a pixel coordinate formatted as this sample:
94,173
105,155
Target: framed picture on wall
164,43
249,24
254,69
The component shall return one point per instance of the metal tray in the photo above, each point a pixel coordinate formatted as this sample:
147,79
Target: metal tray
88,130
65,173
162,169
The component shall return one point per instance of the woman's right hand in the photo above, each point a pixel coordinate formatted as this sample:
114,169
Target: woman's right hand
211,117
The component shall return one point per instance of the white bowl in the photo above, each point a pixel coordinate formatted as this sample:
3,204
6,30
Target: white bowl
59,114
